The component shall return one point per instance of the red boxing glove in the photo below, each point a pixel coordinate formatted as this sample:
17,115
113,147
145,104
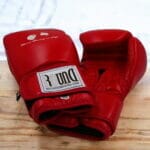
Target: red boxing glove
114,62
46,66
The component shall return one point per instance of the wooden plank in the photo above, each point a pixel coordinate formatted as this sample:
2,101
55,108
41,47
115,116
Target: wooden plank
18,131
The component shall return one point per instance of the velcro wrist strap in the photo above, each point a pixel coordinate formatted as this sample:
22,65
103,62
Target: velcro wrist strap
52,82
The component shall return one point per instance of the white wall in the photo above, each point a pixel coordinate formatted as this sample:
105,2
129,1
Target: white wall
76,16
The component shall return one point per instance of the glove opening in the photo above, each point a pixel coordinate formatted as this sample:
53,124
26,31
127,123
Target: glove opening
80,131
48,114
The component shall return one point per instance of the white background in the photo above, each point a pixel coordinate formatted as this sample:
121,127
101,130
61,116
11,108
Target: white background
76,16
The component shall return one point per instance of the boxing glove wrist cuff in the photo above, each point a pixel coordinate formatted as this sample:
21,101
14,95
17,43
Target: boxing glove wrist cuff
52,82
109,117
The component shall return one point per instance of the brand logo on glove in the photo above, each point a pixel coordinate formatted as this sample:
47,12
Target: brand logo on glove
60,79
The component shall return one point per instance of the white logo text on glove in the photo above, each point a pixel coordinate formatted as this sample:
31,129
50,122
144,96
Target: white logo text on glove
60,79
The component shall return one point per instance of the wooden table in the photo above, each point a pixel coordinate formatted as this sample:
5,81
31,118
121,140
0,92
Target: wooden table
19,132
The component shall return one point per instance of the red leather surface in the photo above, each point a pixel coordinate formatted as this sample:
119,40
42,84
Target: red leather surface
119,61
31,51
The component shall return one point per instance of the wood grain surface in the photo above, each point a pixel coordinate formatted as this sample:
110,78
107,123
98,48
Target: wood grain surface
19,132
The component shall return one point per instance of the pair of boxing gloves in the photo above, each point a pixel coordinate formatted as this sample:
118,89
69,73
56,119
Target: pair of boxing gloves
79,98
